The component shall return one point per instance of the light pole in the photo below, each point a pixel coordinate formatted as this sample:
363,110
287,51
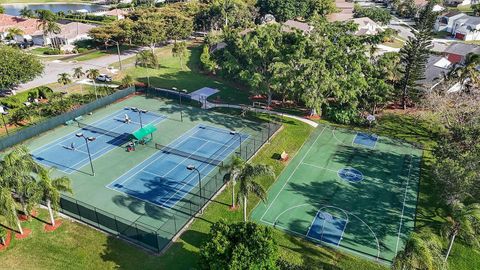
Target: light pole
87,140
140,111
234,133
193,168
4,123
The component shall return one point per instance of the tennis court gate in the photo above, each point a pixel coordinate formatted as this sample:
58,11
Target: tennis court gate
153,238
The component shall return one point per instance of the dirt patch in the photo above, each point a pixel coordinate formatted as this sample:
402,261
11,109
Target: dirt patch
50,228
26,233
8,238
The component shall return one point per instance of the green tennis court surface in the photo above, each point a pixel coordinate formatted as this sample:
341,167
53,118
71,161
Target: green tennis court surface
348,190
148,194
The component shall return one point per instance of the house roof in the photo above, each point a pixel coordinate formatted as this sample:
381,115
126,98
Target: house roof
462,49
28,26
345,12
74,29
366,26
116,12
290,25
452,13
433,72
364,21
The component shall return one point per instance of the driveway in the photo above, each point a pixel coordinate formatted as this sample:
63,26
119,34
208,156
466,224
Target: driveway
55,67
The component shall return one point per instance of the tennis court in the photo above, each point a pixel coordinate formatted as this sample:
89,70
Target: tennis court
109,132
163,178
349,190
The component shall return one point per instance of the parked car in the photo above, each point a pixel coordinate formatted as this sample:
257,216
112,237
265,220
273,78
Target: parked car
104,78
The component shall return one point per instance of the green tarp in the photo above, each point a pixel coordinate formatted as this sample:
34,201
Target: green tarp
144,132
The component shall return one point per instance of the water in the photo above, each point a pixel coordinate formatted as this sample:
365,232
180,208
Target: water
14,9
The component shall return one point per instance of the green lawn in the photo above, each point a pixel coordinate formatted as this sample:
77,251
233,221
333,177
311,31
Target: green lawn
169,74
97,53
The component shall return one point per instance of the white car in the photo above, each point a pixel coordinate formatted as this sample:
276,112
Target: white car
104,78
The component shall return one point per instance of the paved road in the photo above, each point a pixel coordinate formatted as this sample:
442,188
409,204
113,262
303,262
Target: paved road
53,68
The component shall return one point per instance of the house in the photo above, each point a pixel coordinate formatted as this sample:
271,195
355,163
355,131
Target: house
459,25
70,32
366,26
436,69
28,27
456,53
455,3
345,12
120,14
292,25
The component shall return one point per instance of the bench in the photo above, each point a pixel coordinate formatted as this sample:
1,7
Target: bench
78,118
69,123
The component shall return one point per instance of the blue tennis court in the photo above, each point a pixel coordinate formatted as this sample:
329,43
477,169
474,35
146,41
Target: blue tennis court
327,228
163,178
114,132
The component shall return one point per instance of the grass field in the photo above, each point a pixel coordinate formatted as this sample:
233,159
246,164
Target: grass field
76,246
169,74
348,190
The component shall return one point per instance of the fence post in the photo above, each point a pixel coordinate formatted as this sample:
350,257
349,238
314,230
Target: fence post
96,216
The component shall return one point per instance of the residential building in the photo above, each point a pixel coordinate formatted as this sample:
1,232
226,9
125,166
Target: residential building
456,53
436,69
292,25
459,25
366,26
345,12
29,27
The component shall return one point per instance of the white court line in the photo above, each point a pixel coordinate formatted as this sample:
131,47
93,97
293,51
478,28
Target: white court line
64,138
75,149
319,167
108,145
288,179
202,139
403,206
229,144
148,162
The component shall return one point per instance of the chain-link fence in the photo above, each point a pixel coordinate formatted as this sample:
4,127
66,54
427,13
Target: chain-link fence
157,238
53,122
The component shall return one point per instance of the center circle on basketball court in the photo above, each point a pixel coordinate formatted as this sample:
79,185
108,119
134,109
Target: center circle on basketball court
350,175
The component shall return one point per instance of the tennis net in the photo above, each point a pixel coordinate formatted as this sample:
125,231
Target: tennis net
101,131
169,150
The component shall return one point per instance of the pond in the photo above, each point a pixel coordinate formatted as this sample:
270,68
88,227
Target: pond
14,9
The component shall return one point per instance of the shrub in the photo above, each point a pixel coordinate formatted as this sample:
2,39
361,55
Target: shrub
52,51
82,50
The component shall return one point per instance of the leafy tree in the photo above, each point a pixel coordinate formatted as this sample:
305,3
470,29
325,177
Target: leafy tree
320,8
406,8
180,50
414,56
177,25
27,13
7,208
467,73
64,78
379,15
18,116
149,31
50,190
284,10
208,64
246,178
221,13
128,81
13,32
476,9
17,67
2,9
239,246
464,222
146,59
422,251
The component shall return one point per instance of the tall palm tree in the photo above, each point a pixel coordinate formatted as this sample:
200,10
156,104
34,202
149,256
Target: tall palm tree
463,222
422,251
234,169
78,73
247,177
64,78
7,208
18,169
26,13
50,189
92,74
47,23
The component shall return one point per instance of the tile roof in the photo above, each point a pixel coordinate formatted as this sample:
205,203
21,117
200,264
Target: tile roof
462,49
28,26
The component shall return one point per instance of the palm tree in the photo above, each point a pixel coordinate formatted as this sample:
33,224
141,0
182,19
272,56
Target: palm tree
467,72
127,81
27,13
50,189
180,50
64,79
422,251
247,184
463,222
78,73
92,74
47,23
234,169
13,32
18,168
7,208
